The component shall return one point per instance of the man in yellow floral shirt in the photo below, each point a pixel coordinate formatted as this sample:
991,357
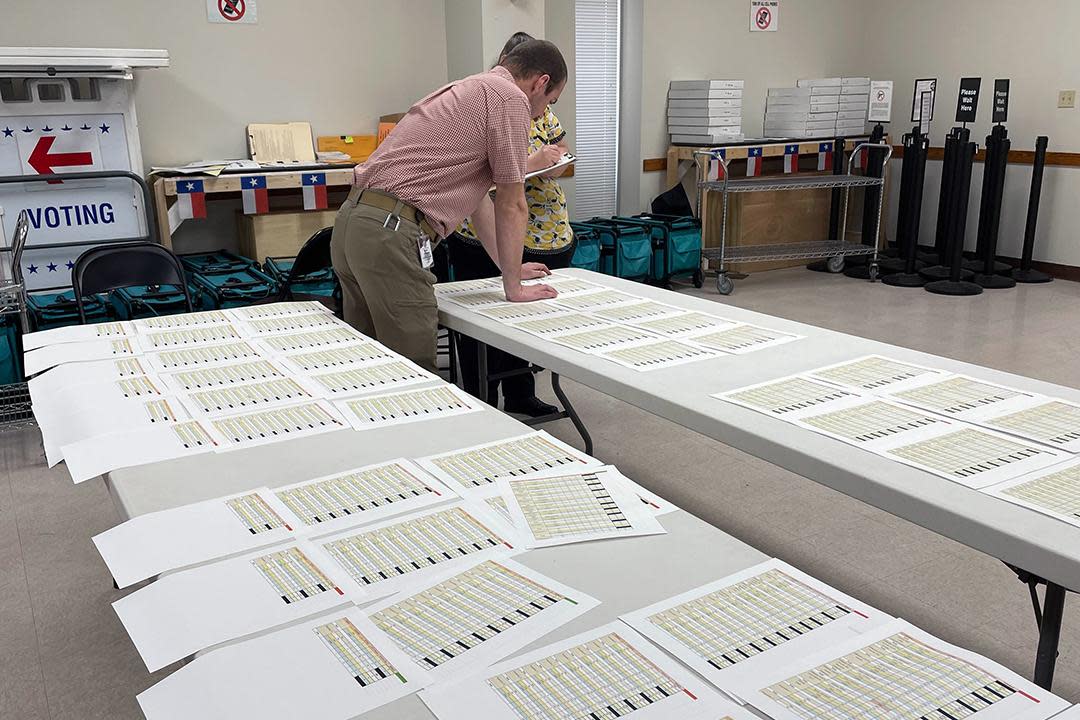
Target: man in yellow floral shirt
548,240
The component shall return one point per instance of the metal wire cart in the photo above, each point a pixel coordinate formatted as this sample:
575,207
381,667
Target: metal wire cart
15,411
835,250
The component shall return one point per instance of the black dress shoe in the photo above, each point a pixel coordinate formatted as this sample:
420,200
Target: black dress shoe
531,406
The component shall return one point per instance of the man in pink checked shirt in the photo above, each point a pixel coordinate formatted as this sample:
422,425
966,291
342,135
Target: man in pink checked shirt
435,169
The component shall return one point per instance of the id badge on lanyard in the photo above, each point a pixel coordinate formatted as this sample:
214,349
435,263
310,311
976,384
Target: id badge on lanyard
427,257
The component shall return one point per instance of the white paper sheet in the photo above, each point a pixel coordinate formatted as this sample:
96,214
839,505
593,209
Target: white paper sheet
477,298
217,376
285,324
95,456
337,357
1050,421
975,457
467,286
249,429
312,340
334,667
637,311
368,378
946,674
510,312
1072,713
553,325
89,398
1053,491
190,610
790,397
962,397
275,392
454,624
185,320
566,285
157,542
204,356
582,677
657,355
559,509
742,339
43,387
187,337
481,465
77,334
874,424
356,497
685,323
44,358
595,340
765,616
278,309
406,406
875,373
594,301
391,555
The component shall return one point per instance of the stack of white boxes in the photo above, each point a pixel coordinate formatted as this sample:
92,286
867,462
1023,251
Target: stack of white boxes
805,111
854,103
705,112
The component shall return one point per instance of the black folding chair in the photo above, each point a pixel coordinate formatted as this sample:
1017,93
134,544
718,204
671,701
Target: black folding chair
313,257
109,267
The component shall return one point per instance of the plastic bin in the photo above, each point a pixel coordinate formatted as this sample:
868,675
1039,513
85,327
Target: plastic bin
319,283
587,250
247,286
147,301
219,261
676,246
627,248
49,310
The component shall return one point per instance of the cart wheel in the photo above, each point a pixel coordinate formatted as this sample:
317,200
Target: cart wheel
835,264
873,270
699,278
724,286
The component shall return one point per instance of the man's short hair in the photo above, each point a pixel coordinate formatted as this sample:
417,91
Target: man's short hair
536,57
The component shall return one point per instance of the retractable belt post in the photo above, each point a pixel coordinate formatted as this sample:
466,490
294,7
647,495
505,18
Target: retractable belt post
985,264
951,177
916,146
955,284
1025,273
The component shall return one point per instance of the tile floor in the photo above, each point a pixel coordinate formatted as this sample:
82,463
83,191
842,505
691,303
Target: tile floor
64,655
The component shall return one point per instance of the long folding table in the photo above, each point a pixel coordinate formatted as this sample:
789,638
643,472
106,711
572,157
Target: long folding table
1041,548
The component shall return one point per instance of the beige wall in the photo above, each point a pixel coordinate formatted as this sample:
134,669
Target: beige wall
503,18
464,38
695,39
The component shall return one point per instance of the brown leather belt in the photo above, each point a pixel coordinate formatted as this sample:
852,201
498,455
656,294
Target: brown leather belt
396,210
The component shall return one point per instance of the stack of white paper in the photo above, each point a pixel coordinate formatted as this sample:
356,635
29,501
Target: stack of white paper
705,112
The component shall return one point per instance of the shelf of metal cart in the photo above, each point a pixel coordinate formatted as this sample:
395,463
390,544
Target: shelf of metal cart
15,410
802,182
788,251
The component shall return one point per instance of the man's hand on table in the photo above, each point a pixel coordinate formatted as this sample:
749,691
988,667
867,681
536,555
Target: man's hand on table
533,270
529,293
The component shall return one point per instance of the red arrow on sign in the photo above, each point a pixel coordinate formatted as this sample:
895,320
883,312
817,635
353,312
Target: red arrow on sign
44,162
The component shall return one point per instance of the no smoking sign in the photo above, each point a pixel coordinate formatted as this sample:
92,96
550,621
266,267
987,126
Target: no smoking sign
764,15
231,12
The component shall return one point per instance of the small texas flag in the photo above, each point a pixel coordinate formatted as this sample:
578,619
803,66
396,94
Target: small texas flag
791,158
824,156
715,163
315,191
753,162
256,199
191,198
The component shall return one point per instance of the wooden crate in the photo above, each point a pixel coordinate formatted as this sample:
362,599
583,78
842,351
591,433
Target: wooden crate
279,234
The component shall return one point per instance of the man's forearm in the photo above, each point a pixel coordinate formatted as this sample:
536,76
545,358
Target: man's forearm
483,221
511,220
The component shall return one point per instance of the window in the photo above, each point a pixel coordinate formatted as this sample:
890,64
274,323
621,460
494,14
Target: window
596,79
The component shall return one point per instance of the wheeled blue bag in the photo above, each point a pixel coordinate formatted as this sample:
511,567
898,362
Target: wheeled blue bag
319,283
587,249
211,263
222,279
676,246
626,248
10,357
147,301
49,310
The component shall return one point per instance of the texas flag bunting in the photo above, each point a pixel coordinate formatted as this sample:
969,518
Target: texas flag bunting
753,162
191,199
256,199
791,159
315,191
715,163
824,156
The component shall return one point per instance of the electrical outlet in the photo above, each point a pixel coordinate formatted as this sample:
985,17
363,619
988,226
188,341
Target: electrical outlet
1066,98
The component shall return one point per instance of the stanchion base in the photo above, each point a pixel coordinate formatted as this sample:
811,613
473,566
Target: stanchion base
943,272
976,266
1030,276
857,260
897,265
948,287
819,266
859,273
993,282
903,279
927,258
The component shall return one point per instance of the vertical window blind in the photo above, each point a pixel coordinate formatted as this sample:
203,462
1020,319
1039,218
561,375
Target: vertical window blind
596,79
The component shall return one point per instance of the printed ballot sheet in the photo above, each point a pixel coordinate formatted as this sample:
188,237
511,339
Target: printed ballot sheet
1053,422
87,459
388,556
974,457
558,509
274,424
186,320
311,340
150,544
284,324
554,325
278,309
481,465
874,424
369,378
468,286
742,339
187,337
334,667
478,298
190,610
512,312
77,334
356,497
372,411
59,427
215,402
685,323
607,672
88,398
454,624
198,357
766,616
1054,491
876,374
593,301
636,312
607,337
342,356
657,355
790,397
566,285
218,376
963,397
899,671
44,358
44,387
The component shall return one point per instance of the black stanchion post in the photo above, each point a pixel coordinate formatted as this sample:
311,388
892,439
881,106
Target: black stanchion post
990,215
1025,273
916,156
947,208
955,285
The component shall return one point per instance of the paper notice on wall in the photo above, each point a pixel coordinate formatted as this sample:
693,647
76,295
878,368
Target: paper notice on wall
880,100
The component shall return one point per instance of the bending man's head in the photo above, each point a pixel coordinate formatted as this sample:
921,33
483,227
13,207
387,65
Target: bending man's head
539,70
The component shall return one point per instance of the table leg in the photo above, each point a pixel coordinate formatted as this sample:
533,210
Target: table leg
571,413
482,370
1049,635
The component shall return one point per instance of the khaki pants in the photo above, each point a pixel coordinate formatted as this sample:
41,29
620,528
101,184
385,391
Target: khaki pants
387,293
